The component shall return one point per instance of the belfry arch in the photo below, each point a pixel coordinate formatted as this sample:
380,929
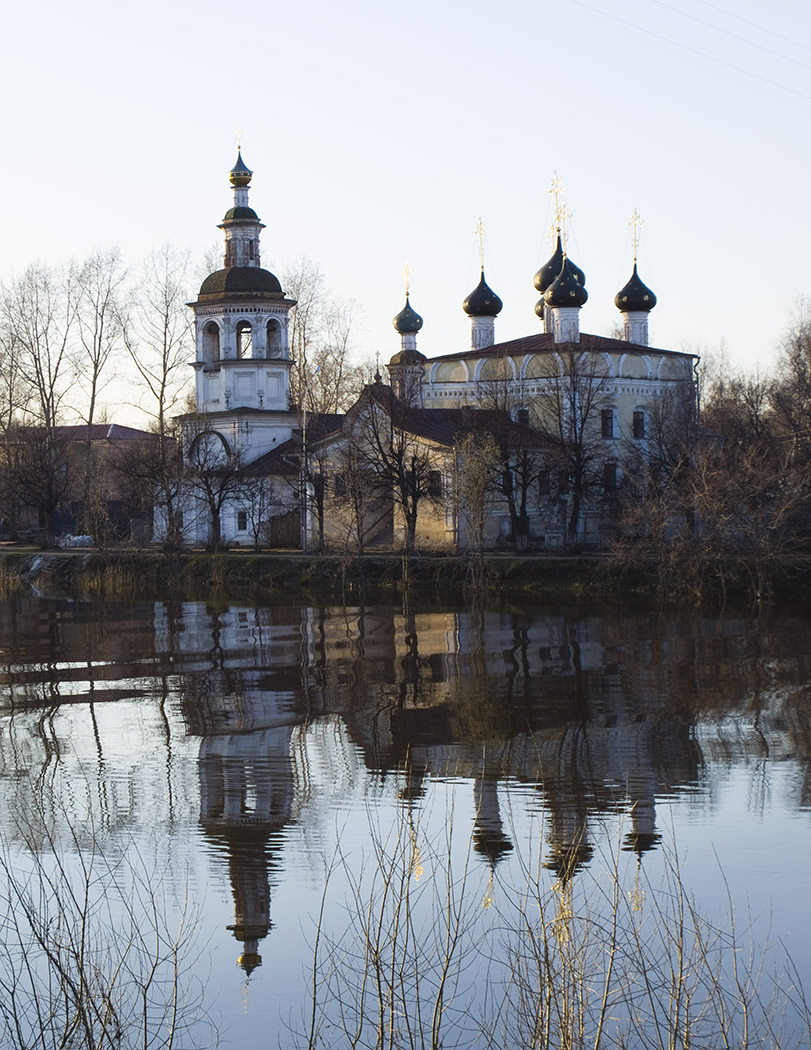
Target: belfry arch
211,343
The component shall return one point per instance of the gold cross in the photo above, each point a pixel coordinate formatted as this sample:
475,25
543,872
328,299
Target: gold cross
407,276
239,138
480,232
636,223
562,213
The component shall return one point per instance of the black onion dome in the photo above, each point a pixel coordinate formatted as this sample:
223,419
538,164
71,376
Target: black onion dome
539,308
241,212
241,280
566,290
635,296
551,268
408,321
482,301
408,357
240,174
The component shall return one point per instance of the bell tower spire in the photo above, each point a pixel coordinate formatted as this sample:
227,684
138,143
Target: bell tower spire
241,224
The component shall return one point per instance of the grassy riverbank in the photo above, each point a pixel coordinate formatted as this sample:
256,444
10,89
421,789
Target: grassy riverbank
194,574
251,575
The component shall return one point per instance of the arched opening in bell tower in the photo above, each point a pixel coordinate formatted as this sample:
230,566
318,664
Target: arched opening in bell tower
211,343
244,339
274,339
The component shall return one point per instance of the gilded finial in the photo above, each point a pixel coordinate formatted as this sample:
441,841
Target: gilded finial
407,277
636,223
562,213
480,232
239,138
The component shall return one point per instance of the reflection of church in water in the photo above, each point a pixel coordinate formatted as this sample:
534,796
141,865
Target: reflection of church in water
245,705
572,710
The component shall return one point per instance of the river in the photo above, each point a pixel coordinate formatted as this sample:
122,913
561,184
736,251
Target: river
230,761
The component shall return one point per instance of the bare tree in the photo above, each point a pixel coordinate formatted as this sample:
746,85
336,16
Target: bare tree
89,958
39,313
212,475
400,462
256,495
477,484
517,447
158,337
100,323
323,378
356,497
569,416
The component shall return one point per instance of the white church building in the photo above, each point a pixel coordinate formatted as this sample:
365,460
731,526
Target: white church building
245,426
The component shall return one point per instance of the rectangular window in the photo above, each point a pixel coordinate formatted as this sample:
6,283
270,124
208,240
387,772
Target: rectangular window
563,482
607,417
435,484
543,483
522,416
609,477
340,485
242,521
639,425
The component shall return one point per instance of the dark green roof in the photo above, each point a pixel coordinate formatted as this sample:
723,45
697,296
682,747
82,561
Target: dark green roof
482,301
635,296
408,321
407,357
241,280
241,212
551,268
566,290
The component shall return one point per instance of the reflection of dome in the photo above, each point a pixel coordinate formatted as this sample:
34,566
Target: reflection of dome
635,296
482,301
566,290
408,321
245,280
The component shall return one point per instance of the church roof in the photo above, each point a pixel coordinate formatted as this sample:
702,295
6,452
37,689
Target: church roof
443,426
544,342
241,280
240,211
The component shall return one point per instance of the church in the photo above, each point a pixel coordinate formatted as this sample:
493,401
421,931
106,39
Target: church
565,416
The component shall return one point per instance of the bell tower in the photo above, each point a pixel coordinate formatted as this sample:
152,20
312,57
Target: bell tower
241,319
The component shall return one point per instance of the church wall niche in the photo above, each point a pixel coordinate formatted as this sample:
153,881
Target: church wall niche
244,339
450,372
275,342
634,366
496,368
211,344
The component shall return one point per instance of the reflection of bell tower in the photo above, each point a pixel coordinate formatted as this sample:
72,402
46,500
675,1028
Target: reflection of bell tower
489,838
568,835
246,793
643,835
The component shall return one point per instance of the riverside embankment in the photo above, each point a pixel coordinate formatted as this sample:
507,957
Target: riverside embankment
278,575
198,574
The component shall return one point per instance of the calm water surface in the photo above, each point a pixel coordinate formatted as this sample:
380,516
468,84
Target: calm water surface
238,746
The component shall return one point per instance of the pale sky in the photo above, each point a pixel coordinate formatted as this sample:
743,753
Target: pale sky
379,134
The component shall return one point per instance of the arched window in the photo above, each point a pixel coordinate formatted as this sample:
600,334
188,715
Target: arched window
244,339
211,343
274,343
